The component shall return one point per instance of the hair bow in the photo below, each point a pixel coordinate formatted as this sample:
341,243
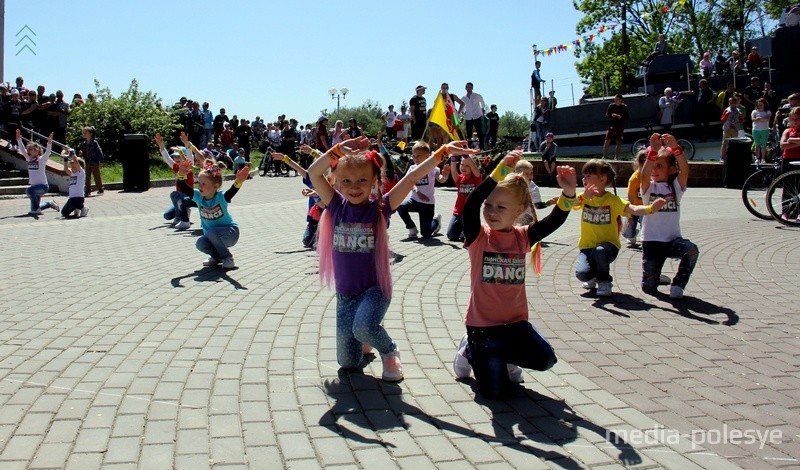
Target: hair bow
212,168
373,157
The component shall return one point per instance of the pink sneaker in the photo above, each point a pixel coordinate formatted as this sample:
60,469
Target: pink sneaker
392,367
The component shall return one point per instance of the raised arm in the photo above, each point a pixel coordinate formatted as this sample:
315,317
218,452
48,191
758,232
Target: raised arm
290,163
683,165
647,168
164,153
316,172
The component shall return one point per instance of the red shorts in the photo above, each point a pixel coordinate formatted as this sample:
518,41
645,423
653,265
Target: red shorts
615,133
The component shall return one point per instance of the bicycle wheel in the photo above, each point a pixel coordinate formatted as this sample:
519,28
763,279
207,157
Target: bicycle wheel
639,145
688,148
783,198
266,162
754,192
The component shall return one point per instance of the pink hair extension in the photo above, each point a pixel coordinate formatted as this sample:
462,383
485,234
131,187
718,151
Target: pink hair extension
325,248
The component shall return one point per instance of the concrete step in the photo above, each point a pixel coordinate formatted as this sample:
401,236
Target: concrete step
15,190
13,181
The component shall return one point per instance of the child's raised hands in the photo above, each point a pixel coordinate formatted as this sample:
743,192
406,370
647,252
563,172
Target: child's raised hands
655,142
159,140
567,179
277,156
185,139
242,174
658,204
512,158
17,135
354,146
50,139
184,167
670,141
306,149
461,147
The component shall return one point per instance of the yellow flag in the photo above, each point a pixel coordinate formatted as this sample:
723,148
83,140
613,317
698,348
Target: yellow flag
442,117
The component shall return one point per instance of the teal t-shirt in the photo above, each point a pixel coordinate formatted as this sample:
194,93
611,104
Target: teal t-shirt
214,211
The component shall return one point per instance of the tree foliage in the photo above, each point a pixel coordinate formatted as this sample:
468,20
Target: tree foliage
369,115
513,125
133,112
695,27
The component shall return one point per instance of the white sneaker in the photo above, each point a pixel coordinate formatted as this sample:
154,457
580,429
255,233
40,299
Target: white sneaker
664,280
183,225
76,213
675,292
228,263
211,262
392,367
461,366
438,228
53,205
175,221
591,284
84,211
412,233
604,288
515,373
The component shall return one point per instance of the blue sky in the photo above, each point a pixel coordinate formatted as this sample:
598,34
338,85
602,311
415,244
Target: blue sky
269,58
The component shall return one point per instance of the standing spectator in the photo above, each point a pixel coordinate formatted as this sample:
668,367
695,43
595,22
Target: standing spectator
40,121
93,155
289,139
552,101
405,118
4,98
705,65
419,113
536,81
494,126
751,94
234,122
734,62
219,124
617,114
59,111
353,129
732,123
667,105
761,117
438,134
12,115
321,137
20,87
753,61
77,100
29,107
706,106
389,117
473,108
337,134
208,125
243,135
196,123
227,137
772,100
541,121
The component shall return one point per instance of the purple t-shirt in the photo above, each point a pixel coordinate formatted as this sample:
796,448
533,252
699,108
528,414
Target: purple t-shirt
354,243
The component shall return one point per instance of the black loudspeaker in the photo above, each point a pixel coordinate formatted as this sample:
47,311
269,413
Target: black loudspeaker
738,162
135,163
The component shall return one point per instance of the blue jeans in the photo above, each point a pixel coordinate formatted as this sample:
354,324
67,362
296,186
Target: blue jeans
455,231
492,348
216,240
632,227
358,321
654,254
427,224
71,205
180,206
35,193
595,263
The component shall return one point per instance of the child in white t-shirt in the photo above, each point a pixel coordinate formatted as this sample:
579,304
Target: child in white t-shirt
422,198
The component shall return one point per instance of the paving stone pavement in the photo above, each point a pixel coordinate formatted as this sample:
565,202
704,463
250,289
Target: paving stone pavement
118,350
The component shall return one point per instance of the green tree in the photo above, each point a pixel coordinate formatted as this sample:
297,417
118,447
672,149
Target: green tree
369,115
133,112
513,125
692,27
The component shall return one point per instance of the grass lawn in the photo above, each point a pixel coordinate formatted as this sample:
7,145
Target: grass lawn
112,172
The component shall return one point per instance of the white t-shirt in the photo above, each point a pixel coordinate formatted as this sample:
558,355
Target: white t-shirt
760,125
664,225
425,185
390,116
77,182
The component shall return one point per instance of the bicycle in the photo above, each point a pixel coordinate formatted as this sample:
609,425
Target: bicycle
271,167
644,142
755,187
783,198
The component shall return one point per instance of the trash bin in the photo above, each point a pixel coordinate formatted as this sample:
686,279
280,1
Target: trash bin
135,163
738,162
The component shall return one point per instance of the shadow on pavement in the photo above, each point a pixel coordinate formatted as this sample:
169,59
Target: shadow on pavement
619,303
375,406
688,306
208,274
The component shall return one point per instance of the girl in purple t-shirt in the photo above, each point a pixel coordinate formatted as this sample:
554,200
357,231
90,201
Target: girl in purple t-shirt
353,246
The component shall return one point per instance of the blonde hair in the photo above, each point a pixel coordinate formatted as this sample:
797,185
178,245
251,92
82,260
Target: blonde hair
523,165
213,171
518,187
421,144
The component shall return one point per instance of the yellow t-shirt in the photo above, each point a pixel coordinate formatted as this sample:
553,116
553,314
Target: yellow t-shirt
600,220
635,187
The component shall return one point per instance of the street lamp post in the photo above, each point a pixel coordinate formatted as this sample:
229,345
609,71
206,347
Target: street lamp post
337,93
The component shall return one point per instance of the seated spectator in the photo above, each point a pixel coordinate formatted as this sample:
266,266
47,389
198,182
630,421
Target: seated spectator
753,61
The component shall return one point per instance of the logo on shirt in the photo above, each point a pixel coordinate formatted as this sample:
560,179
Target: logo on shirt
423,181
503,268
465,188
211,213
73,180
670,206
597,215
352,237
33,164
